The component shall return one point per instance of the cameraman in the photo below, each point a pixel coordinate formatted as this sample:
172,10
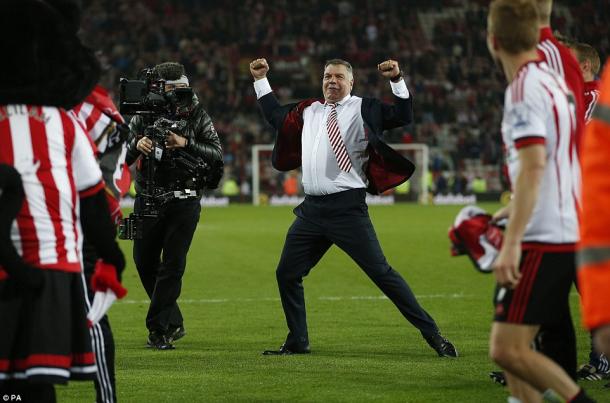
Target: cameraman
160,256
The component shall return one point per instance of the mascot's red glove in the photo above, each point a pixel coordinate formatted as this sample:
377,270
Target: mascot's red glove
107,289
105,277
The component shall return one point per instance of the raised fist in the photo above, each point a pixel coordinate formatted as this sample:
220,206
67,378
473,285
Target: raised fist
259,69
389,68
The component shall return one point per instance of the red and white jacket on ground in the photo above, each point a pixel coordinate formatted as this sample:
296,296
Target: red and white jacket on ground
473,234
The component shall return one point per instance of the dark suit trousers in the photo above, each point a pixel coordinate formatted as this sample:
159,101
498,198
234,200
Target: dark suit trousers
160,259
341,219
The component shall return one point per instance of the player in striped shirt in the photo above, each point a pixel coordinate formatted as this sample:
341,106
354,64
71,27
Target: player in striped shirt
45,337
560,59
558,341
55,160
554,341
535,267
598,367
105,127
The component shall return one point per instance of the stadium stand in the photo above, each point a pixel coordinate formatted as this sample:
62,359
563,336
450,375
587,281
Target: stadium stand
441,47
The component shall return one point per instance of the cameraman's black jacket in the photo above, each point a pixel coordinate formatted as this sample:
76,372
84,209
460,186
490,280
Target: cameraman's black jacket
203,142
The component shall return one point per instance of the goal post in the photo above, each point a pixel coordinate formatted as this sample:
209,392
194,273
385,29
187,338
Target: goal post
419,154
257,149
268,183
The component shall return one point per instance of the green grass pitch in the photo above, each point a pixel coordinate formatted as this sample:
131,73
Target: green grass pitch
362,348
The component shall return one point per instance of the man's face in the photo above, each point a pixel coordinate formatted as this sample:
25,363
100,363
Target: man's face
337,83
585,65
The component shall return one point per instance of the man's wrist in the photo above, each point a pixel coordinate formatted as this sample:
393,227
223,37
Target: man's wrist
512,242
397,77
262,87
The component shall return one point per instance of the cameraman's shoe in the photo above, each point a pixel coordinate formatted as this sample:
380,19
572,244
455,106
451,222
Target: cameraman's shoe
175,333
159,341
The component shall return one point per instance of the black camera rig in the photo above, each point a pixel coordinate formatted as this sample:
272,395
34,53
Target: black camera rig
146,97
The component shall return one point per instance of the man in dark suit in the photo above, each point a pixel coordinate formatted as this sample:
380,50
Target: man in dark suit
338,143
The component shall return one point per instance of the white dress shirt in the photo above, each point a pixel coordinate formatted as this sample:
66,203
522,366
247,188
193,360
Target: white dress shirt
321,172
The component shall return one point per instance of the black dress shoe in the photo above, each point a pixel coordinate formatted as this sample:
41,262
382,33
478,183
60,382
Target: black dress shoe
175,333
158,340
288,350
442,346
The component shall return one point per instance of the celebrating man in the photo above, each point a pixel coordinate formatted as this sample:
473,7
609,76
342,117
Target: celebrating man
337,142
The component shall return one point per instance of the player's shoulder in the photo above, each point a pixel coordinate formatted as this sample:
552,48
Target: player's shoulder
541,79
592,86
528,83
54,117
555,51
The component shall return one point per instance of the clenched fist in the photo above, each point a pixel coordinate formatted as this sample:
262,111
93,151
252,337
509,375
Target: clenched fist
259,69
389,69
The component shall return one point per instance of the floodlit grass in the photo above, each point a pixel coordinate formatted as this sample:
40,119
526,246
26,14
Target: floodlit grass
362,348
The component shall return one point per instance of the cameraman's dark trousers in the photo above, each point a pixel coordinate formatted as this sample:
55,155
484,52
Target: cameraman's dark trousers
160,259
341,219
101,337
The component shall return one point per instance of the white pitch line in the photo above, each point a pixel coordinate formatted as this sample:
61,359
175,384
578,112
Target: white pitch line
352,298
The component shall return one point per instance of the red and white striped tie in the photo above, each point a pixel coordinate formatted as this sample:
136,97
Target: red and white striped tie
336,142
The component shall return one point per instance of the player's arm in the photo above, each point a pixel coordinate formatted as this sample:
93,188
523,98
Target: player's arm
532,161
401,112
99,228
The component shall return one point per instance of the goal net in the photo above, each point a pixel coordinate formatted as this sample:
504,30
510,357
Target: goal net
270,186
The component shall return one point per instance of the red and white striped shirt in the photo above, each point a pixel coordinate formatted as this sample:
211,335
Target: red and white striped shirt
591,97
538,109
56,161
98,111
562,61
100,119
